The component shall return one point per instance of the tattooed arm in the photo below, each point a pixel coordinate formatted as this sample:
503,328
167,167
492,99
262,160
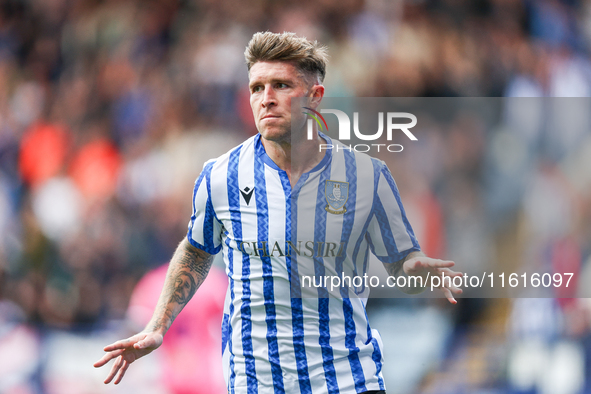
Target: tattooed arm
416,265
187,270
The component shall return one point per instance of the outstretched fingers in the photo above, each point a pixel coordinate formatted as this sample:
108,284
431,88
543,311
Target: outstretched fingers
423,263
448,288
447,293
122,370
436,263
449,272
436,269
125,352
122,344
114,369
108,357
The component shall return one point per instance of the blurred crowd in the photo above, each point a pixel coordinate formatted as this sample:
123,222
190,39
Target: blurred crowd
109,108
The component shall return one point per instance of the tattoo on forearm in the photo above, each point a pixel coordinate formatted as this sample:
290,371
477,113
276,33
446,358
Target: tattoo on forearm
196,261
394,269
187,271
183,288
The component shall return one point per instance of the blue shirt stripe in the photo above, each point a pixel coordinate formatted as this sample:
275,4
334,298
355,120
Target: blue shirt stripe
209,218
297,313
207,245
407,226
323,297
296,301
268,291
234,204
387,237
350,331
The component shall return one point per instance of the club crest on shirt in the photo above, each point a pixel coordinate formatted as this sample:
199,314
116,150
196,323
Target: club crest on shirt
337,194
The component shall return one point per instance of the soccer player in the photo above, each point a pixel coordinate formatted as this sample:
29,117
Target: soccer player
278,207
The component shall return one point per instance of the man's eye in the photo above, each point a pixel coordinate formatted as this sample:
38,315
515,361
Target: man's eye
281,85
257,89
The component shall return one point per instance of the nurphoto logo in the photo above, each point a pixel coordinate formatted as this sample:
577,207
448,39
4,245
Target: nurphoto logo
392,124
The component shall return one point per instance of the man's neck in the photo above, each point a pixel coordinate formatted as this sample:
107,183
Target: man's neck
295,157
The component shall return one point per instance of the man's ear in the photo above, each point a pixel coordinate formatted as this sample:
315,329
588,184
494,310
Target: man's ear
316,95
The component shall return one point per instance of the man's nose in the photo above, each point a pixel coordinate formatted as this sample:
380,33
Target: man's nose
269,97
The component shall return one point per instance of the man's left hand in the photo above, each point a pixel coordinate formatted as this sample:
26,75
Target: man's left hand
426,266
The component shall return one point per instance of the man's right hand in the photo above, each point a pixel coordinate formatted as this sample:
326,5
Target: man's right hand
127,351
187,270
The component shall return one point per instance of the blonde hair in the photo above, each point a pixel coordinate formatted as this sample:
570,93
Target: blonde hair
310,57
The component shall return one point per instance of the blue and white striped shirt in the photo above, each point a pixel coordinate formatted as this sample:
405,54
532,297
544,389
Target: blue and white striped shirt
275,341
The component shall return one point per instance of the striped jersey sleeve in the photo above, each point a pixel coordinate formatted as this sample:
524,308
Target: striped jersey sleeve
205,230
389,234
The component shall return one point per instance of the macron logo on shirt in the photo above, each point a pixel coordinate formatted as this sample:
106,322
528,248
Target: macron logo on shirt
247,194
